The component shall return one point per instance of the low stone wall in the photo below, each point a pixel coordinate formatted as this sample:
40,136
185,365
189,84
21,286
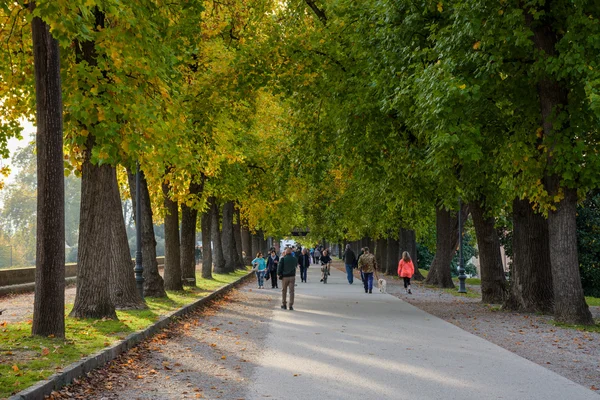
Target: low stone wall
19,276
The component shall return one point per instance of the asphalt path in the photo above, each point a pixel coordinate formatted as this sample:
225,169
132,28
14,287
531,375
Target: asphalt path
341,343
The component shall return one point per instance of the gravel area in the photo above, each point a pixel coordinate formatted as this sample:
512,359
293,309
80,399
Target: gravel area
210,354
19,307
568,352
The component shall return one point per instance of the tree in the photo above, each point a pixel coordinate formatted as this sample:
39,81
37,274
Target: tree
49,299
172,273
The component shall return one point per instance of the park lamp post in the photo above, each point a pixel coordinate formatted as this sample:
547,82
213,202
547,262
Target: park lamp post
461,264
139,268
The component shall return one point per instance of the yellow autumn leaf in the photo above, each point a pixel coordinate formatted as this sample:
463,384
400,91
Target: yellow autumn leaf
15,368
463,86
477,45
440,7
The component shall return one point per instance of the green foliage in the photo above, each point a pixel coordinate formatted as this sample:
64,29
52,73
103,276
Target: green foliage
588,243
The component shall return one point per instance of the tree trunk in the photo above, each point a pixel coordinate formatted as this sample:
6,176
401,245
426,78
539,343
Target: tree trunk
123,289
189,217
410,240
381,255
206,243
493,282
49,299
218,258
446,242
247,245
255,245
227,238
172,272
154,285
93,298
392,256
237,235
569,301
530,288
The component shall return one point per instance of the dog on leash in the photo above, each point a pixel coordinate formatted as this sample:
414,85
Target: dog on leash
382,285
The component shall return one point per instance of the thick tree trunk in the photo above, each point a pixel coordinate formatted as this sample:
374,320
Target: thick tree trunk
392,257
49,299
493,282
569,301
189,217
530,288
237,235
228,239
381,255
247,245
218,258
446,242
154,285
123,290
410,242
172,272
206,244
93,273
93,299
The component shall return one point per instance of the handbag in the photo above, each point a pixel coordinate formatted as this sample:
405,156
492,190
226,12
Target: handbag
267,276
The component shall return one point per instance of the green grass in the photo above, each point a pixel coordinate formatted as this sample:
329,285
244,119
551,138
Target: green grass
25,360
585,328
470,293
593,301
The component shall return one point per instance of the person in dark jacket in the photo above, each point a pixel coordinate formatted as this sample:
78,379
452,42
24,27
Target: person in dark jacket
325,265
350,260
303,262
272,262
286,271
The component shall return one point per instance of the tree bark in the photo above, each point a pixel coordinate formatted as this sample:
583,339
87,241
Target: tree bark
446,243
493,282
172,272
247,245
207,260
49,298
530,288
93,298
392,256
237,234
218,258
410,240
255,245
123,290
381,255
154,285
569,300
228,239
189,217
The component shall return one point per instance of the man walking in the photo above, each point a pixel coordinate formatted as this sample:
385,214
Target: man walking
349,260
367,265
303,262
286,271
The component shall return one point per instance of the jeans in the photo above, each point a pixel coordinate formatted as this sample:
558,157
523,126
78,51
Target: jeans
260,275
368,281
303,273
287,282
349,268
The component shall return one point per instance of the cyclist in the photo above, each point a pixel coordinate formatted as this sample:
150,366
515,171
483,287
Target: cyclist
325,265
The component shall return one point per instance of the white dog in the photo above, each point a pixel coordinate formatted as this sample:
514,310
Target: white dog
382,284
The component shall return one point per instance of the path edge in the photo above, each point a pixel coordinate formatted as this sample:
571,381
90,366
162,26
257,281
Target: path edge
79,368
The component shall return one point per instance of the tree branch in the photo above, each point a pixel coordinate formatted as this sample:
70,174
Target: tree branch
320,13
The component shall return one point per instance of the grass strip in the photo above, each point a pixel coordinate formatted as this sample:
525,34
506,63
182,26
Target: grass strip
26,359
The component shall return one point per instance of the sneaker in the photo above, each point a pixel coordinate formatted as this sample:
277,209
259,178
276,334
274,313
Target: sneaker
409,291
284,307
370,292
366,291
291,308
321,280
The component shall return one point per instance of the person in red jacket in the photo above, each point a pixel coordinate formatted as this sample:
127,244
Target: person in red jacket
406,270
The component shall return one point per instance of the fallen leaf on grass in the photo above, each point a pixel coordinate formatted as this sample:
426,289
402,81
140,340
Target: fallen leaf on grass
45,351
15,368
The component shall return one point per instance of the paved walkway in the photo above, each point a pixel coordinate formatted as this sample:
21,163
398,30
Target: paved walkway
340,343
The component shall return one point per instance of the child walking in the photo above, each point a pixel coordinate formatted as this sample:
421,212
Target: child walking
406,270
260,266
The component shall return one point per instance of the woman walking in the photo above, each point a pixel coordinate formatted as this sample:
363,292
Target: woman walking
406,270
260,267
272,262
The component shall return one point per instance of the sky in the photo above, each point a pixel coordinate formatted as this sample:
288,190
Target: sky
15,144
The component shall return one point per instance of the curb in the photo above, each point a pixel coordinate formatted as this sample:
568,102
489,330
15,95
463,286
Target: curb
87,364
28,287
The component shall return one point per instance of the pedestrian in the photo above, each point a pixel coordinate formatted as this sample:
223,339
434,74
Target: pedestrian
286,271
325,263
317,255
304,263
367,265
349,260
272,262
406,269
260,267
312,255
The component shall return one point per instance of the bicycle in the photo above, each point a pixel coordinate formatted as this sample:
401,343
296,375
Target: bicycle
325,270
